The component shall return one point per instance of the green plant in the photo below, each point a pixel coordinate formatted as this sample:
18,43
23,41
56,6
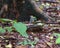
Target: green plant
58,38
20,28
8,29
5,20
17,26
2,30
28,42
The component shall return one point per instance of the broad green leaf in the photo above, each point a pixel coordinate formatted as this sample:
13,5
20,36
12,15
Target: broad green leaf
2,30
21,28
58,40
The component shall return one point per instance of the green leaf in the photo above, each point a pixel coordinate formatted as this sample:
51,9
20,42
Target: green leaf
56,34
2,30
25,42
58,40
14,21
32,42
20,43
21,28
5,20
9,29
